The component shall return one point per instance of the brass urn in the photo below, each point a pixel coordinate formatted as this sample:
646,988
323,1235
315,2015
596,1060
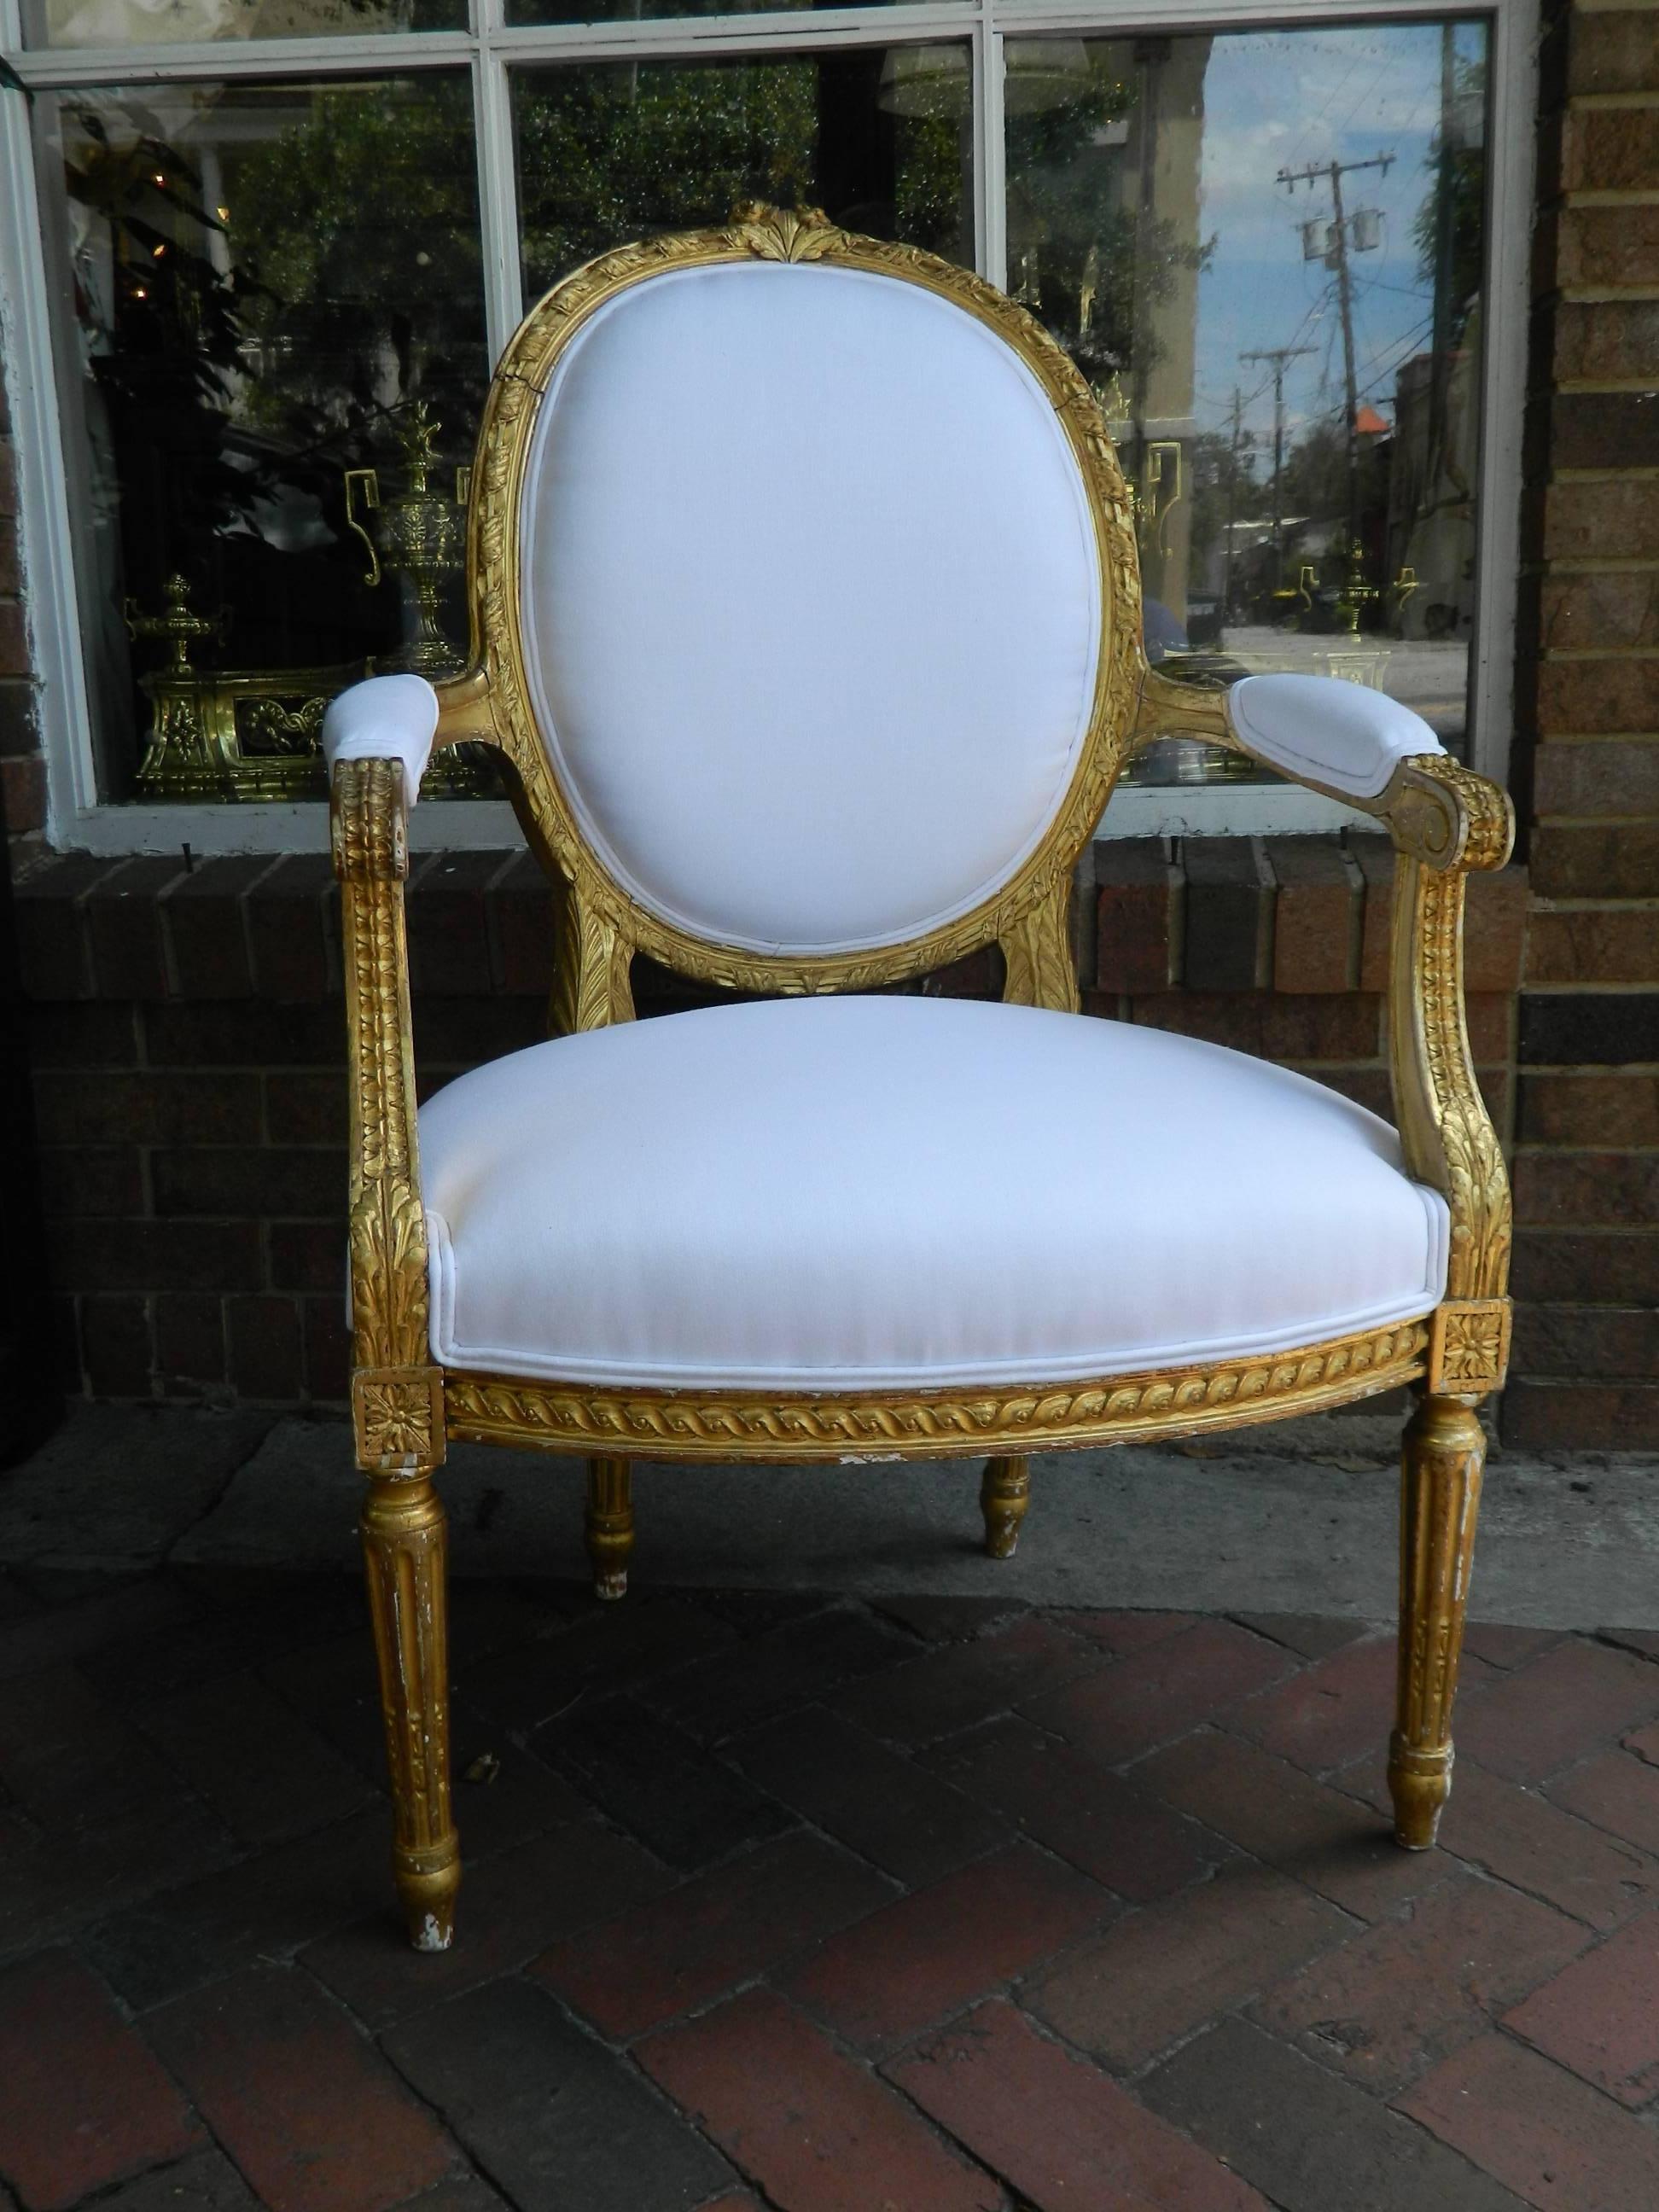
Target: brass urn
420,537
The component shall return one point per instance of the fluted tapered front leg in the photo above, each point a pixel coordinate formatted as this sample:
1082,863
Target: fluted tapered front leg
1445,1448
1003,1497
610,1524
404,1553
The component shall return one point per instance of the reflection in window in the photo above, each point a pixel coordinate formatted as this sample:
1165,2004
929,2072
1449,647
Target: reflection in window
613,151
265,287
1265,250
176,22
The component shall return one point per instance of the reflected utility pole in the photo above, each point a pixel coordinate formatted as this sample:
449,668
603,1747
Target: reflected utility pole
1332,174
1278,356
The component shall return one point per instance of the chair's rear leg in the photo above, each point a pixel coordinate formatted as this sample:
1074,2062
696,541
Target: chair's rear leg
1004,1496
403,1548
1444,1450
610,1524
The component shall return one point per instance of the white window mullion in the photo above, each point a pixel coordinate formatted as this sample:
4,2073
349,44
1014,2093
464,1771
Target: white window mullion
990,151
498,195
45,526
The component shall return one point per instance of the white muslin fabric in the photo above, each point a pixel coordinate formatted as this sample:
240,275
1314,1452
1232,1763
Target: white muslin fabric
811,601
898,1192
1341,734
387,718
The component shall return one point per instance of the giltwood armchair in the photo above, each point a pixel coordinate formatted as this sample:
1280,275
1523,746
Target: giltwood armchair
805,618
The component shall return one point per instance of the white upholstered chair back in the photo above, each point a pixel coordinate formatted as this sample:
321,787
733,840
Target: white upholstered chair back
810,601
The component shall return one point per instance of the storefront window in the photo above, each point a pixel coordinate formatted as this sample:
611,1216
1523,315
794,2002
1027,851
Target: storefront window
1266,250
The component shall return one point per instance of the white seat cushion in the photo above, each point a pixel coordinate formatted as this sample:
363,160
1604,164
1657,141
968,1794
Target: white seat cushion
895,1193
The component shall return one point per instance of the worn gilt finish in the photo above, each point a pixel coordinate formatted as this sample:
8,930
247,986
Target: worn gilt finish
1170,1401
1444,1450
1444,822
1004,1492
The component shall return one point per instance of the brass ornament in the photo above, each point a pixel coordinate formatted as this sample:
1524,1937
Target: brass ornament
938,1424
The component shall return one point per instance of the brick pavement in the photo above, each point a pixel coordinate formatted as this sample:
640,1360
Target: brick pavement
818,1904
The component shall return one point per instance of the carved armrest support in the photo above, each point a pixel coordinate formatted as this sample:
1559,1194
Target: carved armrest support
466,715
1446,821
397,1396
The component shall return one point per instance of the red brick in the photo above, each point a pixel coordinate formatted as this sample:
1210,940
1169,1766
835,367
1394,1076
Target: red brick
1580,860
926,1955
1316,915
1604,607
913,1825
522,908
116,1347
291,921
1618,1792
1608,1342
1600,2016
204,921
306,1109
1581,1417
719,1929
123,923
1561,1706
1408,1991
1330,1711
328,1349
82,2103
1136,884
295,1781
1592,945
1591,1109
1107,1827
1572,1190
84,1106
1599,779
23,793
1277,1813
1060,2132
816,2132
1527,1842
449,923
1619,1269
1121,1632
309,2111
1495,926
1272,1025
1311,1635
265,1356
518,1902
1161,1692
1159,1972
1605,519
1613,52
189,1342
1558,2144
951,1687
1602,341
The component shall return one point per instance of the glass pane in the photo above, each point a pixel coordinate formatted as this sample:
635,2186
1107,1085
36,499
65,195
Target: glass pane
175,22
612,151
272,358
1265,251
611,11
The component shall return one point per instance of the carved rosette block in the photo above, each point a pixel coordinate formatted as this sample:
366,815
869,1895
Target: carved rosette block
610,1524
1468,1347
1445,1449
404,1557
1004,1496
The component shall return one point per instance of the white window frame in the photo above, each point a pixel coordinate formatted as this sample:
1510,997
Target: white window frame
77,819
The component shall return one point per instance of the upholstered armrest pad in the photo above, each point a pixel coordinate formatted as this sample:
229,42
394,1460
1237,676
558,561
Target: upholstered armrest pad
387,718
1323,729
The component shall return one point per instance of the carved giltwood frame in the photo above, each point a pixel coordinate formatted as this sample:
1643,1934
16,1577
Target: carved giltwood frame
1444,820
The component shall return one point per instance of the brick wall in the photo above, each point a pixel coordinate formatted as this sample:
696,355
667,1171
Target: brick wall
188,1035
1587,1169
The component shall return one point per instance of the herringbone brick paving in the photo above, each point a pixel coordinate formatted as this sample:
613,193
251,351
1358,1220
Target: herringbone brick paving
791,1901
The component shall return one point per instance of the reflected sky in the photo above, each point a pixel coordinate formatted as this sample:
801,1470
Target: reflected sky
1282,99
